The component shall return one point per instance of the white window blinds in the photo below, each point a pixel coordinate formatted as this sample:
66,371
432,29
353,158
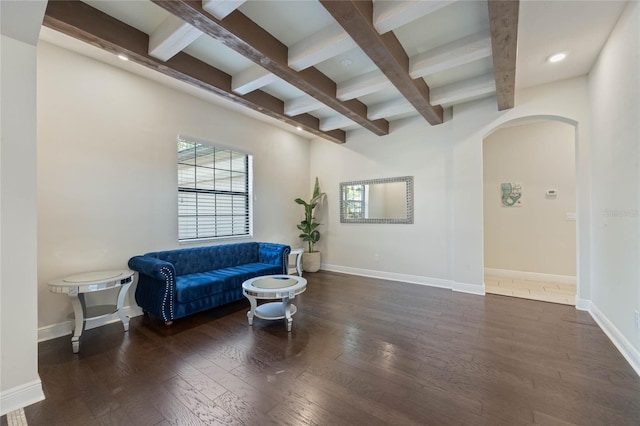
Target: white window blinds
213,191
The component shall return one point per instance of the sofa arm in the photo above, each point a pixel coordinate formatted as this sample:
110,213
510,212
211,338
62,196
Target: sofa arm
151,266
155,291
275,254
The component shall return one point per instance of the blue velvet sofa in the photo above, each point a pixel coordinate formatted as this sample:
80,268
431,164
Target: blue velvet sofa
175,283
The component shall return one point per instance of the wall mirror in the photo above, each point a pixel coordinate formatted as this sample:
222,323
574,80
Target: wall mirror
388,200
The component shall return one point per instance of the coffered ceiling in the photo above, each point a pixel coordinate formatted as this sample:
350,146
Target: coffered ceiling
328,67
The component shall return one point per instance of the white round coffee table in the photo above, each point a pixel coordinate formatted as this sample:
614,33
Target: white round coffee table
285,287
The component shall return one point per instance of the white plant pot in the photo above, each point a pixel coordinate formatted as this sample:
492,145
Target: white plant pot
311,261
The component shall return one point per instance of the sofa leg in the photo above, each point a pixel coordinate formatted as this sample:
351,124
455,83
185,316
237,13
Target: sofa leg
168,323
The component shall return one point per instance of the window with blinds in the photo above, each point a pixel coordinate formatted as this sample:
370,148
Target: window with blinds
214,190
355,197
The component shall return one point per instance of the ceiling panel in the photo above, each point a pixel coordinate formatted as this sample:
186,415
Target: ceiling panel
325,112
445,25
283,90
459,73
347,65
288,21
218,55
142,15
388,94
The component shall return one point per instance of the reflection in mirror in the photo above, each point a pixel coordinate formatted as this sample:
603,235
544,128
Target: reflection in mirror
388,200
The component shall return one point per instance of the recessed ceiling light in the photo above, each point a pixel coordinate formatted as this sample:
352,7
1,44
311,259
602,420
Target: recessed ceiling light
346,62
299,128
557,57
123,57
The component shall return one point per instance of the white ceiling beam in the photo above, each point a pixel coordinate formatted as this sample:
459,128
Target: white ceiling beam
250,79
447,56
361,85
389,109
335,122
171,36
293,107
463,90
221,8
389,15
320,46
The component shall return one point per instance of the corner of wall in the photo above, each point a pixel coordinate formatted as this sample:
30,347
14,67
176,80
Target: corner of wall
626,348
21,396
468,288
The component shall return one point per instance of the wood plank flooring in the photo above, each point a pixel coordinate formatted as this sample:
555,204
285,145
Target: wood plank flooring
362,352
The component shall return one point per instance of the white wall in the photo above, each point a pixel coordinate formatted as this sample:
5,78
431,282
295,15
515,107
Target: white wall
445,244
417,251
19,381
107,185
614,88
535,236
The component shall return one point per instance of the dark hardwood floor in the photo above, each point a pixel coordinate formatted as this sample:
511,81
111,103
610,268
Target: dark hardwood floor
362,352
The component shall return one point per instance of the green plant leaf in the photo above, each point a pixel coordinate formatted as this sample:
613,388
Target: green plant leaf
307,226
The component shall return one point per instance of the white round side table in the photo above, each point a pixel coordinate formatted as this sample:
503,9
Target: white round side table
76,286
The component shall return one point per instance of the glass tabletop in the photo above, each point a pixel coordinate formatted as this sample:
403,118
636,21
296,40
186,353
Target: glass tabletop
279,282
93,277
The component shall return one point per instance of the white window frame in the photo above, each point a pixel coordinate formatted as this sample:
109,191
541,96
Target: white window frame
199,236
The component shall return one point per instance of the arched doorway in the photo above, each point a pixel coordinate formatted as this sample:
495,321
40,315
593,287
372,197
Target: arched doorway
530,209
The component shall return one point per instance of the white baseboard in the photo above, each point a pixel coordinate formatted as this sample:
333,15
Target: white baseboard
411,279
469,288
65,328
392,276
532,276
21,396
628,351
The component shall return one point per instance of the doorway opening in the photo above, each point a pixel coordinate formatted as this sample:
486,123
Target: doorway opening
529,181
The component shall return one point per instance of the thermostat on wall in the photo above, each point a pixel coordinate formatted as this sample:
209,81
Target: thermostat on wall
552,192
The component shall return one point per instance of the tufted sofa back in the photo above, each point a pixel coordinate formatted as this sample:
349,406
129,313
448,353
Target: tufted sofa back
203,259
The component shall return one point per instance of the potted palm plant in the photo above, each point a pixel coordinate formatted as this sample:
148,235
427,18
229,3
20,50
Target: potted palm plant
309,230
